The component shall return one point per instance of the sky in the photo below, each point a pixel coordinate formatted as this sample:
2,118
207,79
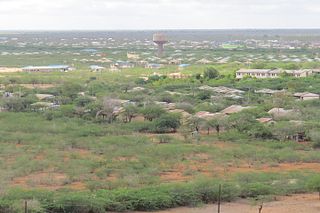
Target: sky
157,14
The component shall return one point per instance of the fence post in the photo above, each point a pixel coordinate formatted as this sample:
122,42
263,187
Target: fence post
260,208
25,206
219,199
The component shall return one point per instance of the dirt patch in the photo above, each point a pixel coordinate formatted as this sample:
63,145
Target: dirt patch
283,167
77,186
292,204
44,180
202,166
10,69
38,86
126,159
83,153
40,156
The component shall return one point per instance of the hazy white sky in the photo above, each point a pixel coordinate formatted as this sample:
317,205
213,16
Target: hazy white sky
158,14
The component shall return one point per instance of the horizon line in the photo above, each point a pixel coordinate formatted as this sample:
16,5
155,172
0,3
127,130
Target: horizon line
160,29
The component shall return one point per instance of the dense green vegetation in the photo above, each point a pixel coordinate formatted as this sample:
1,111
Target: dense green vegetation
159,197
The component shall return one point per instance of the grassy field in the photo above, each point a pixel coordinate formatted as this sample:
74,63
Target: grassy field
75,154
70,154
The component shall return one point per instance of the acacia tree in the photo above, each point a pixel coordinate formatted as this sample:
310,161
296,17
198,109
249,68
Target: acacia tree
130,111
168,123
152,112
110,109
284,131
70,90
281,100
241,121
217,123
195,123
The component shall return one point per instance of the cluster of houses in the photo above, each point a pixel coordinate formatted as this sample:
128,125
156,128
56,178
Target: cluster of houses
303,96
274,73
242,73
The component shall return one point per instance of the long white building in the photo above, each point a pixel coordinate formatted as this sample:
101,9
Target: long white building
271,73
50,68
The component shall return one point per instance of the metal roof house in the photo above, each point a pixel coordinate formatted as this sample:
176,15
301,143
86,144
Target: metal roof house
307,96
153,66
234,109
96,68
122,65
49,68
269,91
183,66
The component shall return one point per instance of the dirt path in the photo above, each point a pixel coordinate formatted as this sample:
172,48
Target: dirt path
308,203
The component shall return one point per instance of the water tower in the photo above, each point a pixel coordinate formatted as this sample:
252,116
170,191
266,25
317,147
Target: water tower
160,39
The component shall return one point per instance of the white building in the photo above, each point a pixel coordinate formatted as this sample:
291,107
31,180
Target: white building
50,68
271,73
96,68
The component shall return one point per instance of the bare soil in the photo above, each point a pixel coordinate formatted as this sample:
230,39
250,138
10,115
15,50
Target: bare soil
303,203
9,70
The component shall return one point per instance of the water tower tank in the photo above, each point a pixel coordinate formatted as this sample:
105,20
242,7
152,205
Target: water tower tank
160,39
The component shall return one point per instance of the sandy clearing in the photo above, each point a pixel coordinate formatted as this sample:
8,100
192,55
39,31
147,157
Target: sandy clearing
10,69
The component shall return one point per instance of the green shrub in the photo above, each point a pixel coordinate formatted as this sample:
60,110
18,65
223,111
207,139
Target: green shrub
255,189
167,123
75,203
314,184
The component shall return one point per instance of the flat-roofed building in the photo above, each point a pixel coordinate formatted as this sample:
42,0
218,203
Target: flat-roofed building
271,73
50,68
274,73
258,73
299,73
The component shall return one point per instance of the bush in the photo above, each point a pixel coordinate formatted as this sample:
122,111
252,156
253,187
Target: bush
185,195
204,95
314,184
186,107
255,190
83,101
75,203
211,73
144,127
315,138
7,207
260,131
